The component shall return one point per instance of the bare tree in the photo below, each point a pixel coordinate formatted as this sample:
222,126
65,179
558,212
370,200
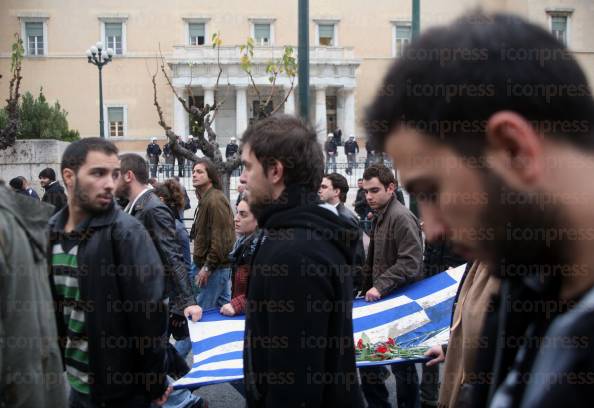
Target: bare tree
8,134
204,116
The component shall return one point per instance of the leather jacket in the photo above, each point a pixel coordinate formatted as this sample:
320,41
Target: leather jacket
159,221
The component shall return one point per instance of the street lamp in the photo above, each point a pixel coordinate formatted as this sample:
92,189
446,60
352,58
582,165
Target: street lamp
99,57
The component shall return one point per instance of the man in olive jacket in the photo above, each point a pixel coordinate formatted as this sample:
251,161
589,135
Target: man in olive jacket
395,259
30,364
214,235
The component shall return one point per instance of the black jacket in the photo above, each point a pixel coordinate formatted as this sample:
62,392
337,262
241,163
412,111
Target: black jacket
231,149
361,206
153,151
330,147
122,282
159,221
299,349
567,359
54,195
438,257
358,251
351,147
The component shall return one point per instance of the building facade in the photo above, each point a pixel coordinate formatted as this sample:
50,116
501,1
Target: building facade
352,44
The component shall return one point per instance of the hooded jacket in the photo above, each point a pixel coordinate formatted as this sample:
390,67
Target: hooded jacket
299,348
31,373
54,195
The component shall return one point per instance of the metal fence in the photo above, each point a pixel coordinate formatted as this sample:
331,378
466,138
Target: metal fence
164,171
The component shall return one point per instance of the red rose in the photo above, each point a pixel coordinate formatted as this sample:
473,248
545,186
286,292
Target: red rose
360,344
391,341
381,349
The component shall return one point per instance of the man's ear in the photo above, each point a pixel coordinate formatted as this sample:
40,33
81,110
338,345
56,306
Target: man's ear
514,150
69,178
128,176
276,172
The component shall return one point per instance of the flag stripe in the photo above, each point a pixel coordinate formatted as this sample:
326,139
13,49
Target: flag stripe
419,314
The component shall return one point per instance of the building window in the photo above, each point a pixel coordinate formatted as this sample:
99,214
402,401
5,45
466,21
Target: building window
326,35
115,118
559,27
34,38
114,37
402,37
262,33
197,33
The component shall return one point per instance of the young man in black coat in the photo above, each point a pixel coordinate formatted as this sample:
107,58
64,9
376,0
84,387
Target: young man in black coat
101,260
333,191
54,192
299,347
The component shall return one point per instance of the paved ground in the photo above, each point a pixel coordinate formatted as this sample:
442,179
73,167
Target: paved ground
225,396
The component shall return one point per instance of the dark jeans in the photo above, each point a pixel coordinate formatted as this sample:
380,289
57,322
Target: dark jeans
373,383
78,400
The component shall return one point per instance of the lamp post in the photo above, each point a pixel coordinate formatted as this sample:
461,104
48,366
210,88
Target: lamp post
303,57
99,57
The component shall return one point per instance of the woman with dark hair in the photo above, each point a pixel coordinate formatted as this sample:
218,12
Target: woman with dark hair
246,227
171,195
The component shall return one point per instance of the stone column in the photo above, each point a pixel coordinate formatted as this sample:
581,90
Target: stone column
241,111
180,115
349,113
209,99
321,113
290,103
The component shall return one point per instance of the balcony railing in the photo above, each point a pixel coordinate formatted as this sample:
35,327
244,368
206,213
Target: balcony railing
204,54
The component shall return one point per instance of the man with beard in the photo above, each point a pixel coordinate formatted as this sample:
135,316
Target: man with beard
505,174
299,347
102,260
159,221
54,192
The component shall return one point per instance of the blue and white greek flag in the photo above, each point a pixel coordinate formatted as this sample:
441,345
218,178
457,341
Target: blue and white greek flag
418,315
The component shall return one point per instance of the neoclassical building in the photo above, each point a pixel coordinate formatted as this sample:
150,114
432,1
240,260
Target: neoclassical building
352,44
333,81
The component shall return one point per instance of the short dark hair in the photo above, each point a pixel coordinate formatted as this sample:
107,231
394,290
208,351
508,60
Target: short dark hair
450,95
17,183
76,153
211,171
136,164
384,174
48,173
293,143
340,182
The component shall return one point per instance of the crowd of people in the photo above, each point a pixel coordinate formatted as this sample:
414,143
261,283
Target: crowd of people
104,289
